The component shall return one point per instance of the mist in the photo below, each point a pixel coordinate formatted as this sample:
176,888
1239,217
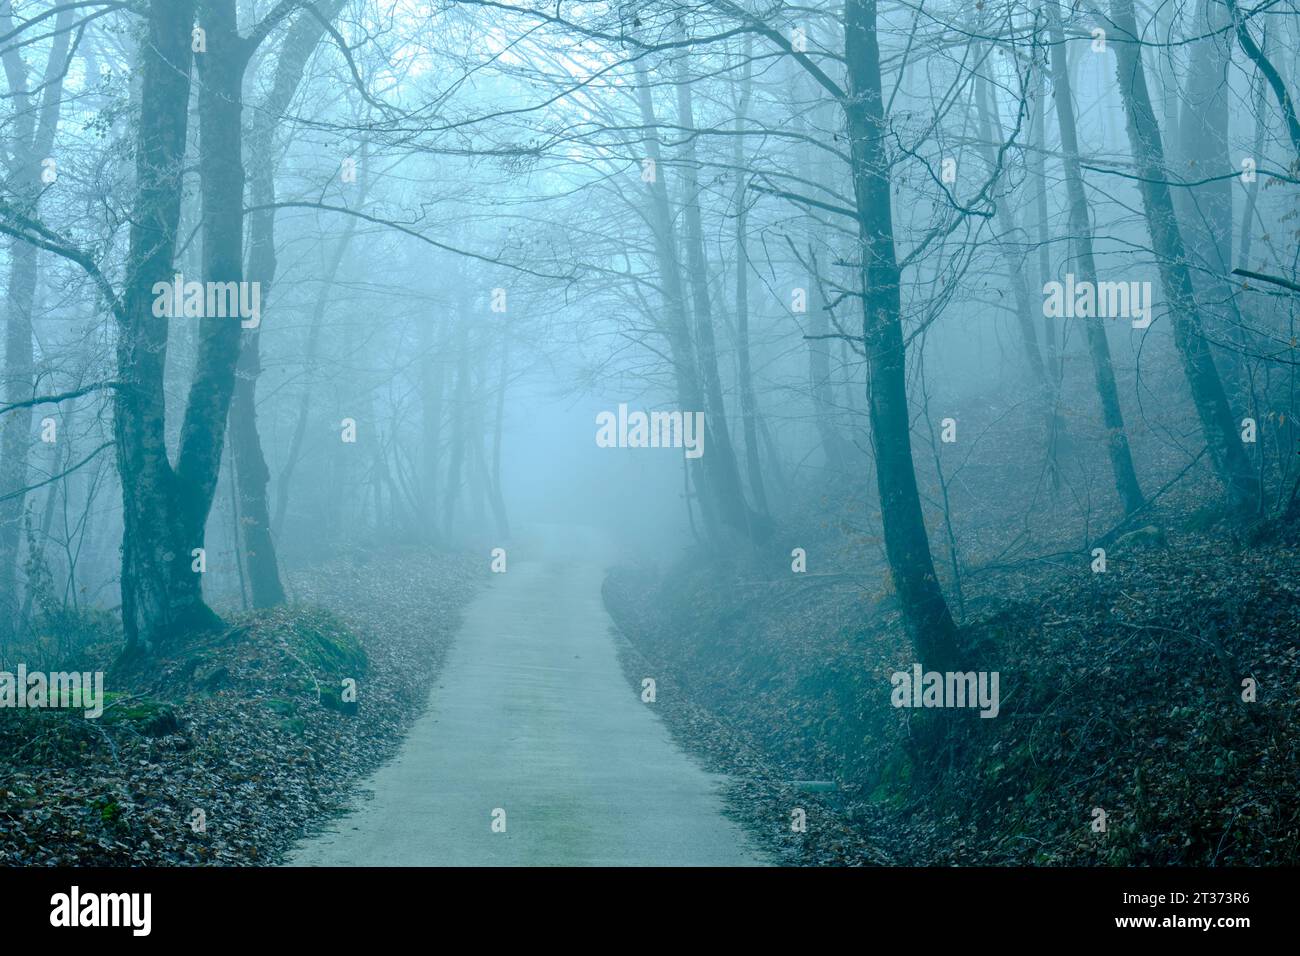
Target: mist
705,434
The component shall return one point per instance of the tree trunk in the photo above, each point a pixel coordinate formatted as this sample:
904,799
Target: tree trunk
748,400
675,324
1217,420
926,612
719,451
433,375
33,140
460,415
1012,258
1205,210
1121,458
311,350
161,595
221,186
251,472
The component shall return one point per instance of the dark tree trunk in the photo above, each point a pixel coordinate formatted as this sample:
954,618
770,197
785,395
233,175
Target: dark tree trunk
1205,209
926,612
251,472
1217,420
221,185
161,595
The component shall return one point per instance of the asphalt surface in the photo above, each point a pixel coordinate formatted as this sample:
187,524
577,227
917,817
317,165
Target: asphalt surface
532,715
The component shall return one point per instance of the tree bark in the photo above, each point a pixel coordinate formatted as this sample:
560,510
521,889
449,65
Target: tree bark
907,547
252,475
161,595
1217,420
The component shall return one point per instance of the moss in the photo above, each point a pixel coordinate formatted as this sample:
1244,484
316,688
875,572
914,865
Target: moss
153,718
309,636
109,811
895,781
326,643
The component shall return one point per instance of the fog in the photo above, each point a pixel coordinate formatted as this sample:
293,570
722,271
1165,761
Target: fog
797,345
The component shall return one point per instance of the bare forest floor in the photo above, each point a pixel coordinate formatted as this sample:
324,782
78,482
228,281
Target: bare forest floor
1119,690
233,747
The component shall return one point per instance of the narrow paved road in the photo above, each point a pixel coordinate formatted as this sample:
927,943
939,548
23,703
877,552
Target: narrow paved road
532,715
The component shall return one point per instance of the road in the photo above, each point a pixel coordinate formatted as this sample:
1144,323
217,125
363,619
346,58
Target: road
531,715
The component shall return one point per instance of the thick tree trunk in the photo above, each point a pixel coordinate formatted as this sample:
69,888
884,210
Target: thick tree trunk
221,183
1217,420
161,595
908,549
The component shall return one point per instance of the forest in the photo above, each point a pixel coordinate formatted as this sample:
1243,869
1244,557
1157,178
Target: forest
849,433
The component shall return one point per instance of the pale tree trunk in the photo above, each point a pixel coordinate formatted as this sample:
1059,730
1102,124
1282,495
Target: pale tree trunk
433,376
1038,171
1027,306
675,323
459,417
1217,420
835,448
1013,260
311,351
719,451
1205,210
497,495
34,127
748,400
